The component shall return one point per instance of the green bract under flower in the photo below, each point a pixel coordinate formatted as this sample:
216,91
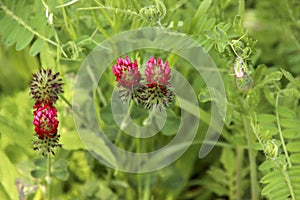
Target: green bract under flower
154,95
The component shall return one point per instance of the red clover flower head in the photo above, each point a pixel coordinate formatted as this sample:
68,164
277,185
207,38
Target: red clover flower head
127,73
45,88
157,73
158,91
45,119
154,90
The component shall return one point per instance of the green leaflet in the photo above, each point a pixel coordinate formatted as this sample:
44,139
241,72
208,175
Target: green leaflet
275,176
276,186
23,41
267,165
291,133
36,47
18,26
295,158
286,112
293,146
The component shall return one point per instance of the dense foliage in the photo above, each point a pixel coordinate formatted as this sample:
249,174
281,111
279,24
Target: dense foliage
258,153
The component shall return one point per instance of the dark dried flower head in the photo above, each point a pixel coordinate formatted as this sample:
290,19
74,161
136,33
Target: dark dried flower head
46,86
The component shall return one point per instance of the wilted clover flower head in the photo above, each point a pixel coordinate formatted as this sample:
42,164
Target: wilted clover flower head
45,86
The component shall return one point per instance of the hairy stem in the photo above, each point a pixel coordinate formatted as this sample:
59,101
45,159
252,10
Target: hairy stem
147,191
252,161
291,15
280,132
124,121
239,166
242,8
288,180
95,82
99,25
139,176
68,24
48,177
283,171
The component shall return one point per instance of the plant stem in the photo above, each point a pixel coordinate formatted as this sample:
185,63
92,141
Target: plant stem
68,24
283,171
242,8
147,191
280,132
239,166
288,180
95,82
286,177
123,122
139,176
48,177
253,167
